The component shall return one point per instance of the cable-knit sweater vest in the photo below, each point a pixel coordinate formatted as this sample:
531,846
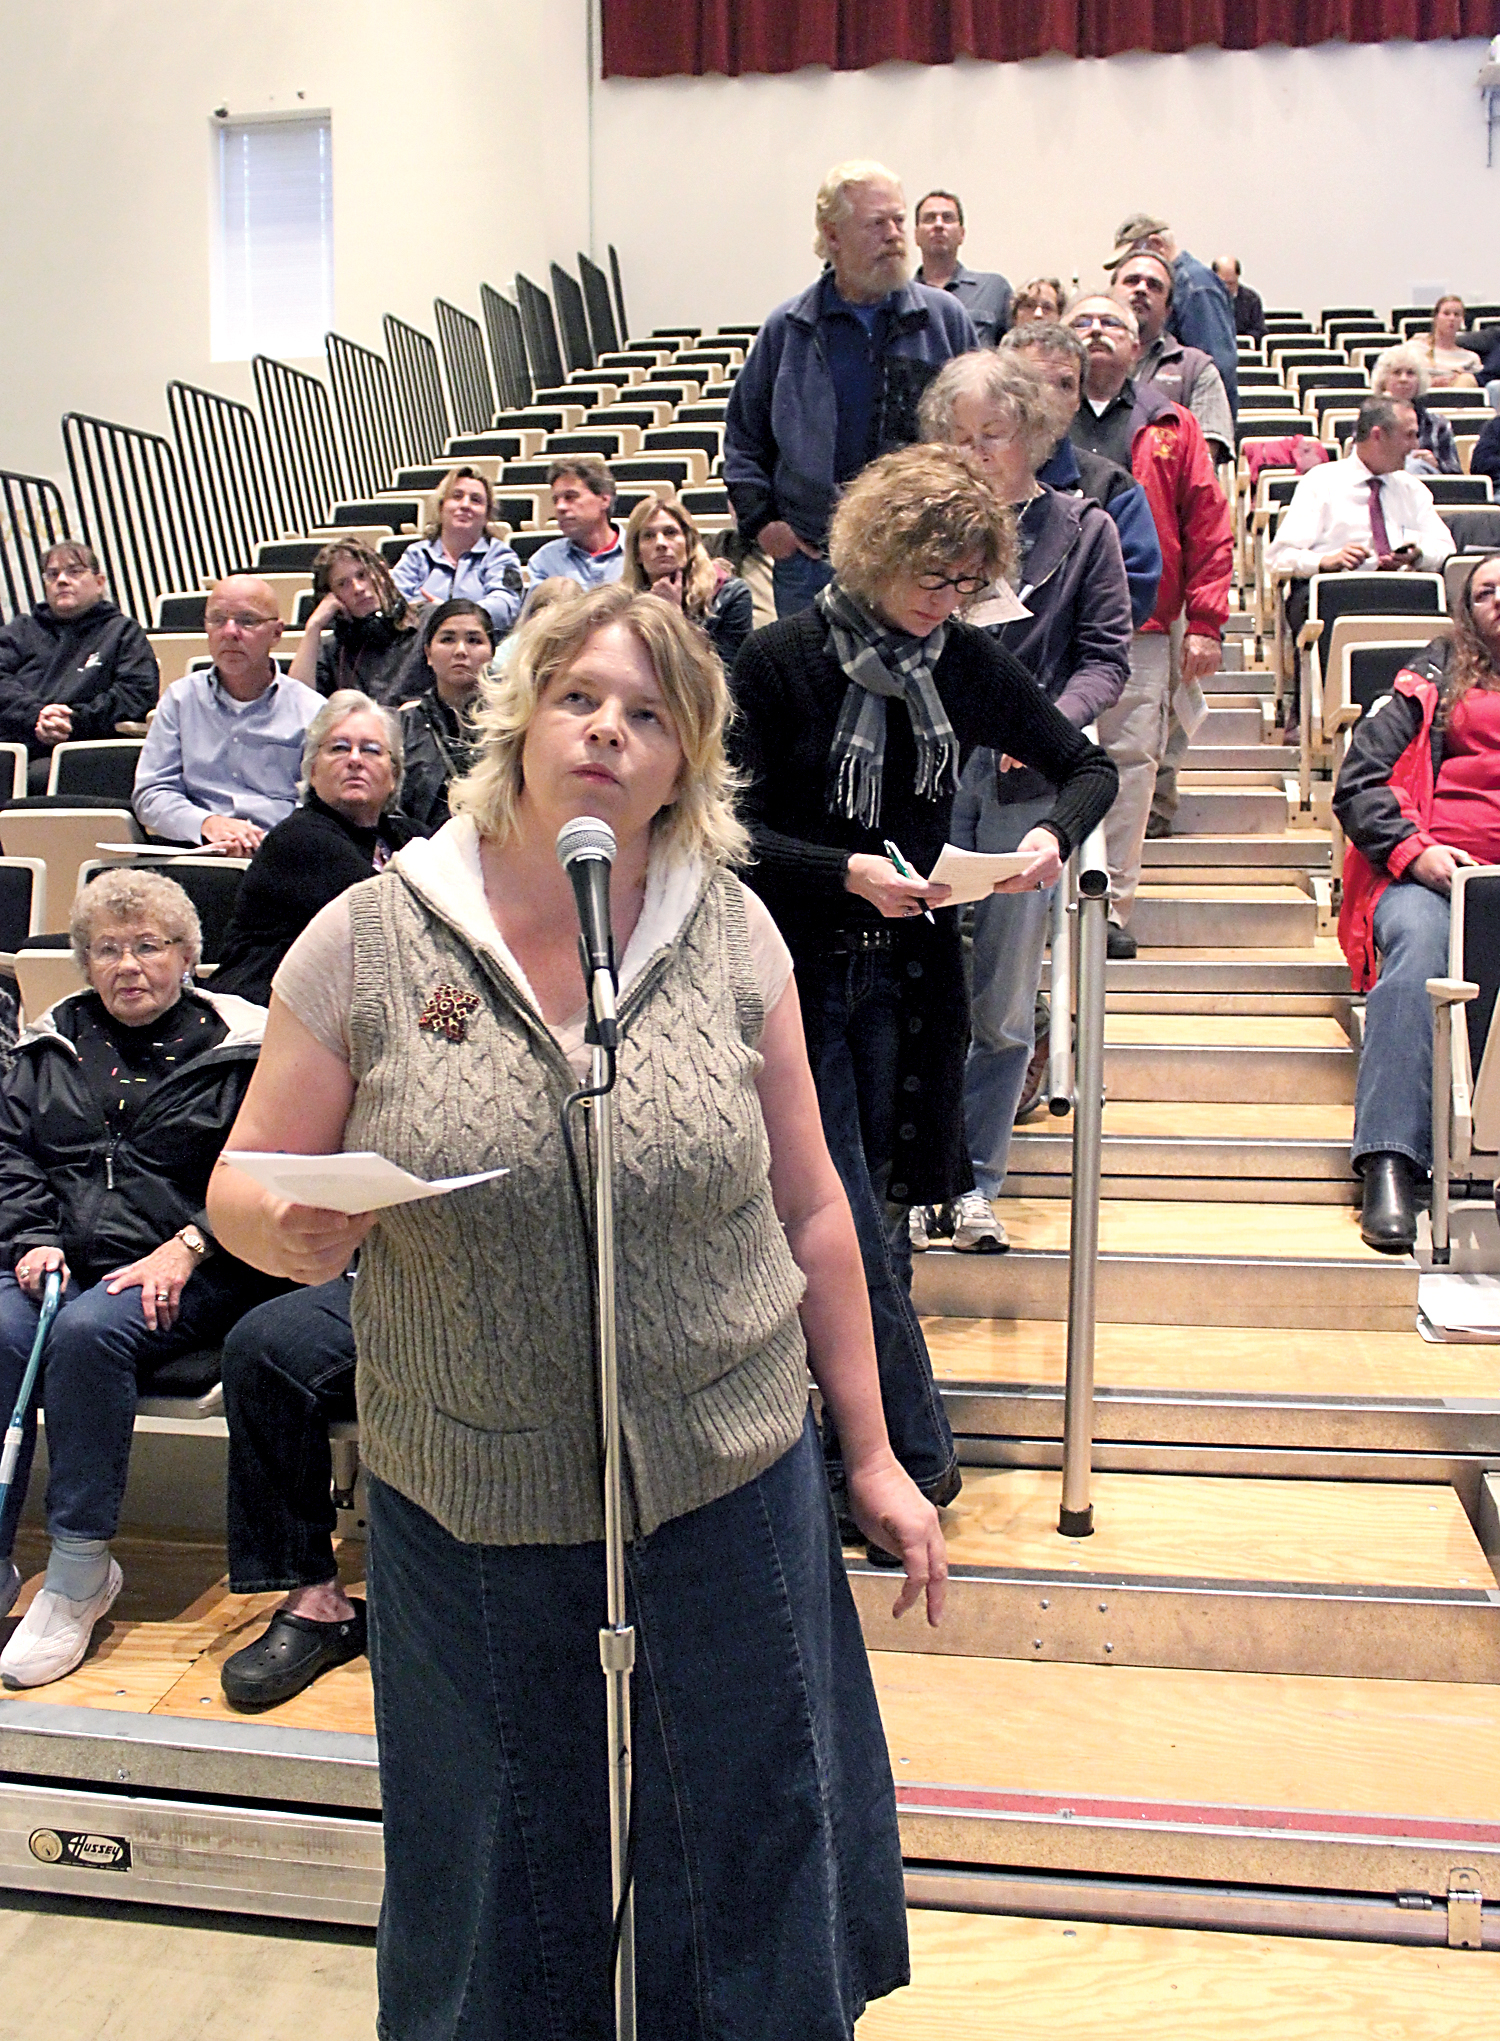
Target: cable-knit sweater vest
477,1379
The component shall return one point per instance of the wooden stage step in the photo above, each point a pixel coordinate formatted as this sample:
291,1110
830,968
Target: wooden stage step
1371,1785
1286,1153
1175,1262
1275,1059
1259,810
1362,1579
1305,850
980,1977
1271,916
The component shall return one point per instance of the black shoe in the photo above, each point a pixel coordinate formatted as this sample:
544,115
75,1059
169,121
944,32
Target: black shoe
1388,1219
1119,943
290,1654
1158,826
1035,1081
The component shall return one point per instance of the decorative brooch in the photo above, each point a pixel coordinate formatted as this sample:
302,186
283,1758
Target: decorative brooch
447,1011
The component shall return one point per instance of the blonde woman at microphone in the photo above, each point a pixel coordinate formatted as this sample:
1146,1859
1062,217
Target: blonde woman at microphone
439,1018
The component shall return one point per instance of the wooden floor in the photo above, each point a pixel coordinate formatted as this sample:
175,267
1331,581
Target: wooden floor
1235,1031
1139,1733
159,1650
1217,1359
982,1978
1150,1226
1376,1534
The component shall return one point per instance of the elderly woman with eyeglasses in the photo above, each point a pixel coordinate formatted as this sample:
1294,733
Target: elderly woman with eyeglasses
111,1119
856,718
344,831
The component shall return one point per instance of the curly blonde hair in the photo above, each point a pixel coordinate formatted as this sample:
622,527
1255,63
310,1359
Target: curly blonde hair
700,820
446,488
920,510
699,581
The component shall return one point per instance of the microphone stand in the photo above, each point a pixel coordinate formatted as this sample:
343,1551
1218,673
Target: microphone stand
617,1638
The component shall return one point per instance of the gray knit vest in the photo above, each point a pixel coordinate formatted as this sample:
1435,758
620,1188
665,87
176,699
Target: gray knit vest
476,1378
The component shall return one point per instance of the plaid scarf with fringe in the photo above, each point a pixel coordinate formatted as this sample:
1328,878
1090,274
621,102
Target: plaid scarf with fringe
883,665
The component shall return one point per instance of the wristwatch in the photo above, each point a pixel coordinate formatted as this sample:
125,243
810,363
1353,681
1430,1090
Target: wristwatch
195,1243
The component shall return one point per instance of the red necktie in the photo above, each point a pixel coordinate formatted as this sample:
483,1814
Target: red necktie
1379,537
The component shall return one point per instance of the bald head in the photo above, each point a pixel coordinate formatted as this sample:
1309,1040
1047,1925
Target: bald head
243,625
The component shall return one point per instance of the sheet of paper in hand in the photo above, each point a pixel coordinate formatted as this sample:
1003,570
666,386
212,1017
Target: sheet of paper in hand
972,873
359,1182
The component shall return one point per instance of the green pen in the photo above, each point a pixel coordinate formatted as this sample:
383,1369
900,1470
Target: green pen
904,869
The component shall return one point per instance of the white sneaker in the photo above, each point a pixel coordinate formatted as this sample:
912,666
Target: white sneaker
918,1220
976,1230
53,1635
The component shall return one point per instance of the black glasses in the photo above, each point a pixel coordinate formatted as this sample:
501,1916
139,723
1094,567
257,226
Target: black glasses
961,584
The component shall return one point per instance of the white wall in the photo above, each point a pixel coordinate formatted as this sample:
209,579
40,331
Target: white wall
1338,174
459,153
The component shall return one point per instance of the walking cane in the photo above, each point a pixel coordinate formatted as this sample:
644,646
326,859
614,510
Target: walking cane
51,1291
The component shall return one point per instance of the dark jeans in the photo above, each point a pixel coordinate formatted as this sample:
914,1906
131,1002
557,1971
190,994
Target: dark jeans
1296,598
288,1370
767,1871
796,580
1393,1092
96,1348
851,1018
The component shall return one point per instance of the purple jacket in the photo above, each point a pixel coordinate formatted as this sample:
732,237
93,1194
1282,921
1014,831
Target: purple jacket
1076,642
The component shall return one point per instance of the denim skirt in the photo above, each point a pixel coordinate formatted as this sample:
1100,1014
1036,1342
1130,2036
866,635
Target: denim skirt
768,1884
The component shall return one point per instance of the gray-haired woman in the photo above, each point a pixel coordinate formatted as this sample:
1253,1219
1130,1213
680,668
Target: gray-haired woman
1403,373
344,831
111,1119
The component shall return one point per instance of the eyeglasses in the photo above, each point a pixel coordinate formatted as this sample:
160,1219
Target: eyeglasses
218,620
145,949
340,747
961,584
1086,321
64,573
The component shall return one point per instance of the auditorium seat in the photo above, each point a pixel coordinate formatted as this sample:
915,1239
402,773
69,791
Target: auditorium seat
23,905
101,767
1466,1084
66,839
13,765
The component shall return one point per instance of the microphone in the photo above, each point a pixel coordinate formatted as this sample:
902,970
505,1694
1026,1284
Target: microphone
586,852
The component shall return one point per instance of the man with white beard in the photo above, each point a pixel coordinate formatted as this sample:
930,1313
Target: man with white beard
834,377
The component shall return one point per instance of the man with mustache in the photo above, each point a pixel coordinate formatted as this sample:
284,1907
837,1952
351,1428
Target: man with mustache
834,377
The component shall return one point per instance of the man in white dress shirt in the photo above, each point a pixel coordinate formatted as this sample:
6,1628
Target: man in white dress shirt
1362,512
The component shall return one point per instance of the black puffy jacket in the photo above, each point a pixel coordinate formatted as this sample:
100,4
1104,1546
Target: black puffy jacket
100,664
64,1182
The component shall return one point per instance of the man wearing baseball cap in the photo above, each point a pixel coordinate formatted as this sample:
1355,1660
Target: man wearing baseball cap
1201,314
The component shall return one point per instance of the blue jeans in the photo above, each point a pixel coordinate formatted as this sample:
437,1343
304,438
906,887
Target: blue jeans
96,1348
767,1866
1010,937
1393,1097
288,1369
851,1020
796,580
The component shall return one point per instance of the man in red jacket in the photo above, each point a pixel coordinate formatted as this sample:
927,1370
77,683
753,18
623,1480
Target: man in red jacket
1163,446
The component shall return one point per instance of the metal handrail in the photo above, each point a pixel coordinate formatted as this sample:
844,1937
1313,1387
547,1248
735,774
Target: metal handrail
419,388
502,322
374,445
602,329
572,319
135,512
296,416
1076,1515
33,517
540,330
220,451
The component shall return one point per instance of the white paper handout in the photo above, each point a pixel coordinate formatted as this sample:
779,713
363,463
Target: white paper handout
999,604
1459,1305
160,850
358,1182
972,873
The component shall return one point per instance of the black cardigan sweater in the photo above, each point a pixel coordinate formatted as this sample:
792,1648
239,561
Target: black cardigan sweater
788,690
304,862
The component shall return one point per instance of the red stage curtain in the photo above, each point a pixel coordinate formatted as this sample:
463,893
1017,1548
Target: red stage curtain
672,38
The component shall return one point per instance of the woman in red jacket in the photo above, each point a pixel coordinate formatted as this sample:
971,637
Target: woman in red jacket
1418,796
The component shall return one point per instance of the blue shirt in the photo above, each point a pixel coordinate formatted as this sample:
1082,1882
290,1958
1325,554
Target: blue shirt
1201,316
489,574
577,563
851,339
1133,521
207,754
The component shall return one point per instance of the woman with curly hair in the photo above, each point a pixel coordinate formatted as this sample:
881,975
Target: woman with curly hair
362,634
1042,298
665,553
855,719
1418,796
